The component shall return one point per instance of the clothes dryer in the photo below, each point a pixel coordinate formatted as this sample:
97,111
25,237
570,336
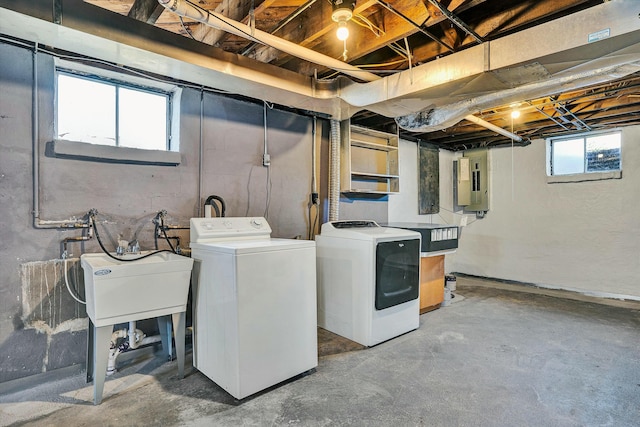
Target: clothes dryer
368,280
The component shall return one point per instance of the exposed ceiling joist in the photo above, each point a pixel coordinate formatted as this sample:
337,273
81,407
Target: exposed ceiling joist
434,29
146,11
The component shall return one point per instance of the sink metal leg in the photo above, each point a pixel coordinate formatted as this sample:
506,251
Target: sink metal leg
101,342
179,324
164,326
89,360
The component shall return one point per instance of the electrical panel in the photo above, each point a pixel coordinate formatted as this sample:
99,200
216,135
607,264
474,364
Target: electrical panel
472,181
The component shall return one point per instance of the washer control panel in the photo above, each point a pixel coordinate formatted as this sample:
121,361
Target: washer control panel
205,230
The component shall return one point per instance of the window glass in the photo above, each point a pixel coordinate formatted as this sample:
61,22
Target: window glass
143,119
108,112
603,153
587,153
86,110
568,156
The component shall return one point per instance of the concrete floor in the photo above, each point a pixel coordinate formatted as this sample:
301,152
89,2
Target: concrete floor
495,357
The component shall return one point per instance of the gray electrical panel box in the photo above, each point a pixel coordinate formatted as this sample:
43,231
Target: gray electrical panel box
472,181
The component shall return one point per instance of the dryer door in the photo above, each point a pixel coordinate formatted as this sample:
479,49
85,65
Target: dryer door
397,272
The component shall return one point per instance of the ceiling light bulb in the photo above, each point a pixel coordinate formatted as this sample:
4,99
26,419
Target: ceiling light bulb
515,114
342,13
343,32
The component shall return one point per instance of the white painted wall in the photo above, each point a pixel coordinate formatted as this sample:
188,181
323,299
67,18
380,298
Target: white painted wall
403,207
577,236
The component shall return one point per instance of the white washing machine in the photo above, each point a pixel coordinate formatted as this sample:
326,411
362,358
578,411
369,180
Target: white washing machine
368,280
254,304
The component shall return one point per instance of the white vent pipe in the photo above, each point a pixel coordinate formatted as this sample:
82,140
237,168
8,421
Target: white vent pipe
186,9
334,172
490,126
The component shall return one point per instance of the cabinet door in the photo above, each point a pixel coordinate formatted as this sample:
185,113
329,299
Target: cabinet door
431,282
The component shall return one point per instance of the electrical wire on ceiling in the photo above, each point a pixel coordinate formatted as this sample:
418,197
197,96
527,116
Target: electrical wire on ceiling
400,50
186,30
363,21
385,64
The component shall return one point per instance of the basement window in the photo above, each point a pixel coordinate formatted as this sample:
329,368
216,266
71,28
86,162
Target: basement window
585,157
101,108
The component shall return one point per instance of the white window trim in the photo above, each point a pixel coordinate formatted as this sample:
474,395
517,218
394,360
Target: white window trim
584,176
93,152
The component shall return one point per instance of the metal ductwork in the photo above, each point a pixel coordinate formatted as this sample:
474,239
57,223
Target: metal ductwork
437,118
597,44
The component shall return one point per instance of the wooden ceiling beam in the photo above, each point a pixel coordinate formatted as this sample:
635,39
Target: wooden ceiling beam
146,11
521,14
264,13
362,40
235,10
312,24
493,25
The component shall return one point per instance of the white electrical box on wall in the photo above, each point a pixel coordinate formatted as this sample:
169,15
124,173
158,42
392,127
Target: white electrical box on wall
472,181
464,183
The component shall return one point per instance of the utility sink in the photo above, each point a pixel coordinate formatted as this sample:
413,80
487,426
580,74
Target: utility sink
122,291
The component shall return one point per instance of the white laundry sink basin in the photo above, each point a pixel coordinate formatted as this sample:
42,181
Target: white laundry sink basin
120,291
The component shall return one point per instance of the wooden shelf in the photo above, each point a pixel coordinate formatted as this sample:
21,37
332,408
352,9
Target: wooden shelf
369,161
372,145
357,191
373,175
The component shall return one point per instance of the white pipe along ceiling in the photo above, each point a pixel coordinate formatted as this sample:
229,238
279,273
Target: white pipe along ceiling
595,45
189,10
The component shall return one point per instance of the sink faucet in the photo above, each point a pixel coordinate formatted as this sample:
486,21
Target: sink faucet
122,246
133,247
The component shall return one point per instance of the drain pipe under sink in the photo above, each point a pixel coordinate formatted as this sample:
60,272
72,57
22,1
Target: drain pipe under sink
136,339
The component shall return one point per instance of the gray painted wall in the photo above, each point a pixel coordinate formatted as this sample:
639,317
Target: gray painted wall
41,326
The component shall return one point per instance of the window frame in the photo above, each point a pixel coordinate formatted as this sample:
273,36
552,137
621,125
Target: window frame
118,153
584,175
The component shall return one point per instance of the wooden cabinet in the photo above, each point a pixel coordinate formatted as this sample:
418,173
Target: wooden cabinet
368,160
431,282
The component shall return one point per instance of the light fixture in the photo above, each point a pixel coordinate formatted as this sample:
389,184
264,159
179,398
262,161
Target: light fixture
515,112
342,12
343,32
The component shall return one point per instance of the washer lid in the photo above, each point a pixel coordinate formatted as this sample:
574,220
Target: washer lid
238,247
205,230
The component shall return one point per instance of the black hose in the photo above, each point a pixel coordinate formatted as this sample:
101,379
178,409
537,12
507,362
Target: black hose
216,208
155,235
222,204
164,233
95,228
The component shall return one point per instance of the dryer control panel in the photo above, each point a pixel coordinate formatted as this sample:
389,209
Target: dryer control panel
205,230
